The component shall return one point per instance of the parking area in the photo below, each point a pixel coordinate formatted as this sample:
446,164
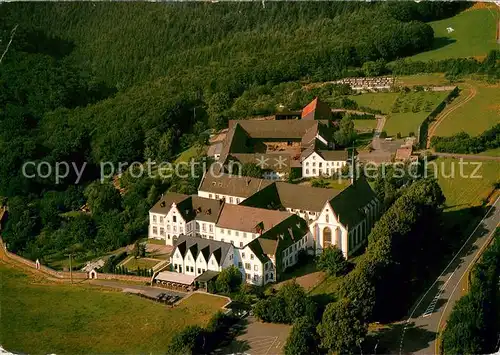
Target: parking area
258,338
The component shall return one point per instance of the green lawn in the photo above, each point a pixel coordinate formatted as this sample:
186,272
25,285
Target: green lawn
464,192
44,318
405,120
491,152
473,35
379,101
191,153
143,263
328,286
475,116
365,125
422,79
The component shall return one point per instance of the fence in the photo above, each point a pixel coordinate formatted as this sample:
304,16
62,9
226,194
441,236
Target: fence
66,275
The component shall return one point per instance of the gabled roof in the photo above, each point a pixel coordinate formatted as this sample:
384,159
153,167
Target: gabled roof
280,237
199,245
316,110
280,129
165,202
190,207
349,203
328,155
232,185
250,219
302,197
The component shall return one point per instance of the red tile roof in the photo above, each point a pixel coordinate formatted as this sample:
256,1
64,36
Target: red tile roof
311,106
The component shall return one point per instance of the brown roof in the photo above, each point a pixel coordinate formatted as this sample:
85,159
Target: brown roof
315,110
191,207
232,185
280,129
334,155
249,219
403,153
302,197
165,202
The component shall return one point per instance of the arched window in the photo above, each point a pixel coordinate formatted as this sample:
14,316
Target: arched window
338,238
327,237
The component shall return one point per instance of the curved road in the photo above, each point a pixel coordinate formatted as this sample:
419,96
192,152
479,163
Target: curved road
429,315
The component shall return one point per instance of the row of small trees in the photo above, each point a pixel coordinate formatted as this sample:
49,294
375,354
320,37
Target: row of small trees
396,247
463,143
474,323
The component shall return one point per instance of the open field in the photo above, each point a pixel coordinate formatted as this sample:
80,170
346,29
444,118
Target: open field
422,79
473,35
477,115
410,110
39,317
365,125
379,101
191,153
463,192
491,152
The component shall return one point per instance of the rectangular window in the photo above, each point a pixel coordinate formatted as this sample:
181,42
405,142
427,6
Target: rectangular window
243,255
238,200
161,219
154,219
230,200
175,229
248,266
221,231
251,256
216,197
255,277
209,195
199,271
240,265
155,230
204,227
175,266
244,235
174,219
237,233
229,232
248,276
162,231
256,267
211,228
241,244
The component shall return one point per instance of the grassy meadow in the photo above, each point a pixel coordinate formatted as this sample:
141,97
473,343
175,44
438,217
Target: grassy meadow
463,192
473,35
382,101
39,317
477,115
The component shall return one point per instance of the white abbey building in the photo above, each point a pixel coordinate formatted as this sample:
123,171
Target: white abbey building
260,225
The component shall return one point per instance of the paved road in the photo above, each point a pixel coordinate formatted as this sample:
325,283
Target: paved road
431,311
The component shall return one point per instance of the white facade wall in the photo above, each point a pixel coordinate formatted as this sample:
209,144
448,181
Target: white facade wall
250,266
238,238
314,165
166,226
234,200
289,255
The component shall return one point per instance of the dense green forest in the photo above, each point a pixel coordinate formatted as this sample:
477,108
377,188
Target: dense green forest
123,82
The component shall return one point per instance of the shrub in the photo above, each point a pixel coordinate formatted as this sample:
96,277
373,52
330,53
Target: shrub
332,261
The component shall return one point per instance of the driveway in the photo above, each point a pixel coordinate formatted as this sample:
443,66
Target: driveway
429,315
259,338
